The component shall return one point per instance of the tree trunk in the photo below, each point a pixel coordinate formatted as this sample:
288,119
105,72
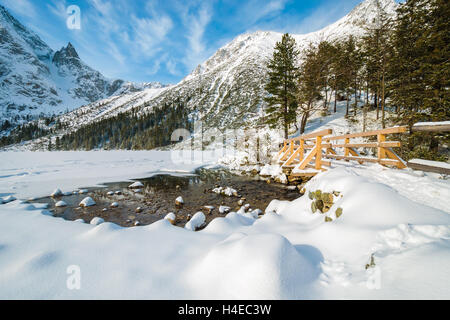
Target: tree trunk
382,102
335,99
356,96
304,120
348,103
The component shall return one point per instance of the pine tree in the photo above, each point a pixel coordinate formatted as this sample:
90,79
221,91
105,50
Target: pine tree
310,85
281,85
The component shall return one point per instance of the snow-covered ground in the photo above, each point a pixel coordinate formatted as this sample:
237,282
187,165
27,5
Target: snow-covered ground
396,222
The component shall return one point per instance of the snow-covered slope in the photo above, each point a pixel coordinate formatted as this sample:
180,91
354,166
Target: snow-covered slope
35,80
391,242
227,90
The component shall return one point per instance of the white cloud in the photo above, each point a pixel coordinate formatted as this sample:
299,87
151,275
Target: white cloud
149,33
196,25
22,7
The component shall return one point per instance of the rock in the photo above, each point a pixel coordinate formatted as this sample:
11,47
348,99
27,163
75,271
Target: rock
257,212
179,201
318,194
313,207
209,209
319,205
57,193
110,193
336,193
327,197
224,209
177,187
137,190
79,220
104,209
83,191
136,185
196,222
9,199
311,195
114,205
302,190
137,223
171,217
328,219
87,202
118,193
138,210
188,217
128,221
254,172
96,221
268,181
60,204
241,202
339,212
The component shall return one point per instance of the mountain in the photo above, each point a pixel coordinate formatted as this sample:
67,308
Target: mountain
227,90
35,80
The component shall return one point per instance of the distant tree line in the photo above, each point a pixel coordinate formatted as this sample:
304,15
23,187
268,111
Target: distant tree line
401,66
129,130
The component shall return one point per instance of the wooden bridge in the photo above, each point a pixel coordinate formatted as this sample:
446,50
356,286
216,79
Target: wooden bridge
307,155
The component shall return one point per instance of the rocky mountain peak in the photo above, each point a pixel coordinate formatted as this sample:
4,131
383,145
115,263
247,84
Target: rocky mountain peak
65,55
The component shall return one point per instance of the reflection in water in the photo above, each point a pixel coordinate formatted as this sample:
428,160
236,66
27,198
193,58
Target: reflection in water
157,198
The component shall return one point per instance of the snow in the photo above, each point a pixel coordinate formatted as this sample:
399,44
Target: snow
57,193
224,209
87,202
196,221
288,253
438,123
227,191
171,217
430,163
114,205
35,174
61,204
137,184
96,221
179,200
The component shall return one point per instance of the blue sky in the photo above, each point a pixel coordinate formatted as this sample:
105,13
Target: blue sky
164,41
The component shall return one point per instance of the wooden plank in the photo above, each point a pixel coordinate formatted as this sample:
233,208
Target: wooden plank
304,174
306,160
292,157
369,133
428,168
444,127
390,162
387,144
282,150
318,152
324,132
391,154
381,151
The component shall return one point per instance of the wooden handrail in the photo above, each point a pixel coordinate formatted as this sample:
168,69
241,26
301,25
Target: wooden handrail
299,155
311,135
370,133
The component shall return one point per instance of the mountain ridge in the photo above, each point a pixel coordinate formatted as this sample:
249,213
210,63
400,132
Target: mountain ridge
37,81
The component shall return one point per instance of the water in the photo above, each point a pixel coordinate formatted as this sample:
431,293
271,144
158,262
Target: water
157,198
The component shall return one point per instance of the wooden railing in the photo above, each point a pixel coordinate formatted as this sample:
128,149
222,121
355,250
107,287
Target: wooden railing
309,151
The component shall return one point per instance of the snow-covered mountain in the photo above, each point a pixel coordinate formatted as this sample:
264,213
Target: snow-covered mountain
227,90
35,80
